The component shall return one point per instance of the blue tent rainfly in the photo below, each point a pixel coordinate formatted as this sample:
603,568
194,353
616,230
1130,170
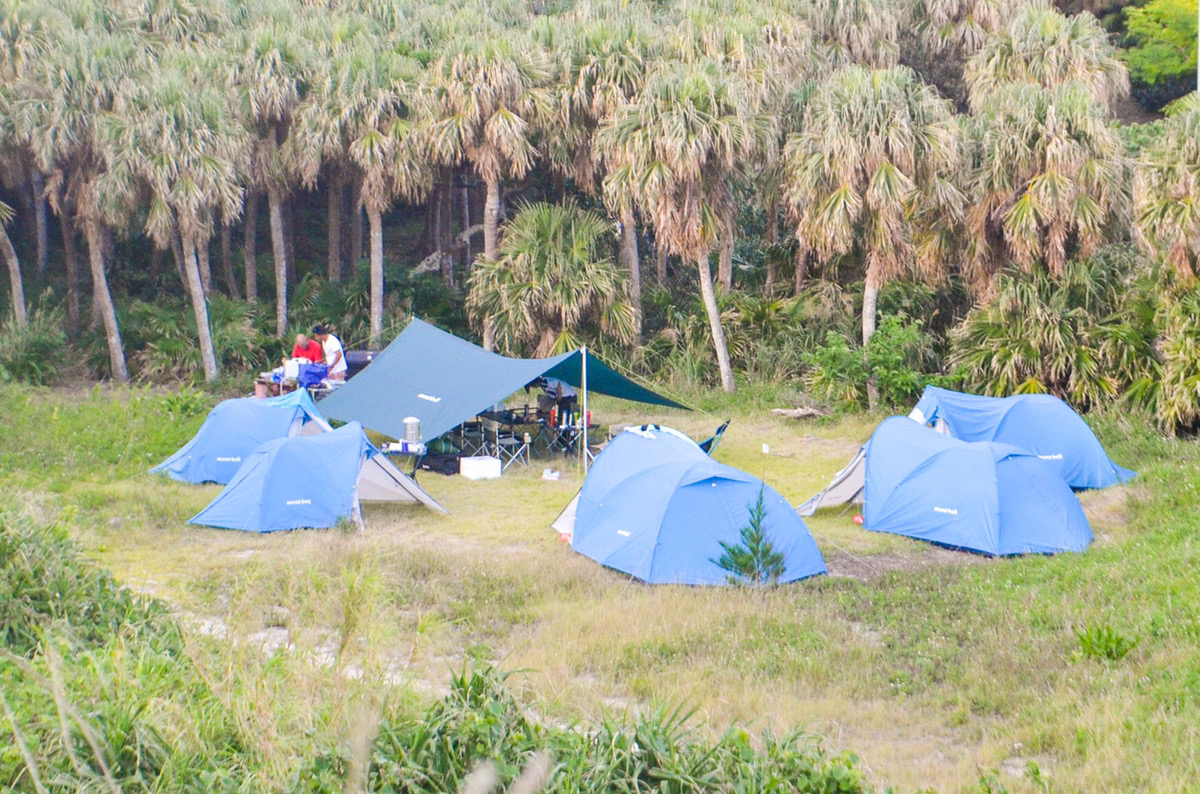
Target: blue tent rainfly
980,496
444,381
657,507
1039,423
234,429
309,481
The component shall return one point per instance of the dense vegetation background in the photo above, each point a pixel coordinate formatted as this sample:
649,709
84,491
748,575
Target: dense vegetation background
891,191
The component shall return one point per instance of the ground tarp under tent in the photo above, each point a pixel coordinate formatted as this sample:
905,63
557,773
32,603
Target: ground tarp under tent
1038,423
444,381
234,429
979,496
655,506
310,482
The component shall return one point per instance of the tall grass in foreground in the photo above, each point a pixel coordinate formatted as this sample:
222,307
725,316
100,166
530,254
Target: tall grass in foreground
101,693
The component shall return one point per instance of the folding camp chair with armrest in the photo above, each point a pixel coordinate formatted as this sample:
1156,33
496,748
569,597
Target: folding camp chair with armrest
506,444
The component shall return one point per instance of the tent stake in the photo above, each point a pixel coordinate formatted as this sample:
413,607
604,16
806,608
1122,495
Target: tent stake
583,385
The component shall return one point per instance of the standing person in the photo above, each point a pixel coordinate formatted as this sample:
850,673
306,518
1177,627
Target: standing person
309,349
335,357
564,397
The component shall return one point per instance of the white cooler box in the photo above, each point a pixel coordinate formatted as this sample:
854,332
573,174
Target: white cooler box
483,467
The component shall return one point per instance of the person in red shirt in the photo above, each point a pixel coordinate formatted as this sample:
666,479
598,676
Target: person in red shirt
309,349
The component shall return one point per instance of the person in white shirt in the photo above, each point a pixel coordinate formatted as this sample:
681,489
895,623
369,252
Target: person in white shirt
564,396
335,357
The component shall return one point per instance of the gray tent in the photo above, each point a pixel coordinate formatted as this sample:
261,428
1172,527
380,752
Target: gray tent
845,488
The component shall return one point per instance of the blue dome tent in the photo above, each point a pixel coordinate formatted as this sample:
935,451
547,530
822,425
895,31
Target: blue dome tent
234,429
1038,423
309,482
655,506
980,496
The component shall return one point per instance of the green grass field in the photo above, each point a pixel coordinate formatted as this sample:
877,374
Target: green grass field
938,669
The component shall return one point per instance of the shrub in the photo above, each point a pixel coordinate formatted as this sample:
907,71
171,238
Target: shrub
33,353
899,357
44,585
1085,336
481,721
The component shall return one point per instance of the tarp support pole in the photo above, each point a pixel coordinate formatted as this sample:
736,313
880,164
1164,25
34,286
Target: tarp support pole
583,385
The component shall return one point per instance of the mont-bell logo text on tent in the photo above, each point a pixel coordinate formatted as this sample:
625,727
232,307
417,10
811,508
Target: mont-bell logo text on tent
237,459
950,511
1055,456
291,502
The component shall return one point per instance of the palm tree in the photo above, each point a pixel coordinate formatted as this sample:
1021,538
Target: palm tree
875,155
857,31
604,66
271,66
62,94
176,134
359,113
958,27
552,282
481,100
1166,189
683,137
1050,171
14,267
1041,46
7,150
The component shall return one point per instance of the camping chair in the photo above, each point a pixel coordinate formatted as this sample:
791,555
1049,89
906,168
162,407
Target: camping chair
710,445
472,439
506,445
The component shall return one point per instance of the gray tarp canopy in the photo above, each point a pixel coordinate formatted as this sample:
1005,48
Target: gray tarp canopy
444,381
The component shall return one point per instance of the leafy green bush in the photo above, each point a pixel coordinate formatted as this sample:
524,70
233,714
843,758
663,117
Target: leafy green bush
480,720
44,586
898,357
1086,336
34,353
187,402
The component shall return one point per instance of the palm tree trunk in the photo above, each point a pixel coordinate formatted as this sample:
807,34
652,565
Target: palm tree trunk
356,230
376,225
660,264
491,234
491,219
772,238
227,260
725,256
801,267
14,276
870,302
42,222
445,226
250,244
629,256
177,257
466,222
336,188
714,322
288,211
72,265
279,251
103,299
205,265
195,285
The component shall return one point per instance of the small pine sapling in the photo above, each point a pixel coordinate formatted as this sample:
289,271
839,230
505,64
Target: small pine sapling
754,561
